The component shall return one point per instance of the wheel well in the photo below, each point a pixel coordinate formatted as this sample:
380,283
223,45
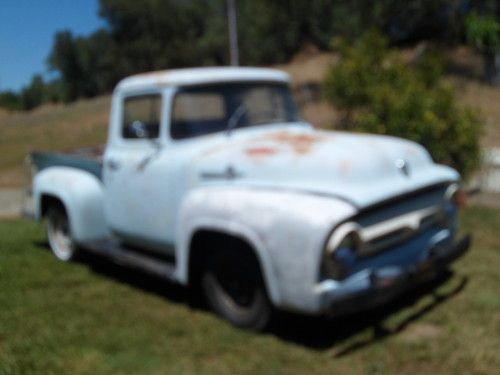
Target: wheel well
206,243
48,201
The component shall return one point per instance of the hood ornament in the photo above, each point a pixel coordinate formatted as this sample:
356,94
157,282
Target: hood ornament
403,167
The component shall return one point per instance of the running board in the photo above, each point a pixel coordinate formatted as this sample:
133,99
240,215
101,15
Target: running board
121,255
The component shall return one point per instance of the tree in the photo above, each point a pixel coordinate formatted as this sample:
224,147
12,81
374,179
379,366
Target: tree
10,100
147,35
157,34
86,64
64,58
380,94
483,32
96,57
34,94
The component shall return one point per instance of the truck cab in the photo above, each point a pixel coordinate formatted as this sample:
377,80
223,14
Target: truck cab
157,130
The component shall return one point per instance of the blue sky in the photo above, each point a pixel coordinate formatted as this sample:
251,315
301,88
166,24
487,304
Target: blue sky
27,30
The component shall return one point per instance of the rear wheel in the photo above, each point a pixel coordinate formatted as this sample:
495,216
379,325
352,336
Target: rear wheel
59,234
234,289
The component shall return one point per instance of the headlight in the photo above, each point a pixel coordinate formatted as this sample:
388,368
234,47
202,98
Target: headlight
341,251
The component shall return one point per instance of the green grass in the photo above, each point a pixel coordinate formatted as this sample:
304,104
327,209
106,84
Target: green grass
93,317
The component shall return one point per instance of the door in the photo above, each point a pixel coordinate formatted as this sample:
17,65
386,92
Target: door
132,174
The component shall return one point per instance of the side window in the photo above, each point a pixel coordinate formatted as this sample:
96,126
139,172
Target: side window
142,117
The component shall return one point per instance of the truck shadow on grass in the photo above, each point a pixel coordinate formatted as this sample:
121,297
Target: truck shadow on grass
340,334
317,333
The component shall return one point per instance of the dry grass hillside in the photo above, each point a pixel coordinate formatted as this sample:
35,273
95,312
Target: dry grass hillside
487,100
84,123
4,113
50,127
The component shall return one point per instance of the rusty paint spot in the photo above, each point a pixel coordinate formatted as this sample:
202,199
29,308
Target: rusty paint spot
157,75
412,150
91,152
345,166
301,143
260,152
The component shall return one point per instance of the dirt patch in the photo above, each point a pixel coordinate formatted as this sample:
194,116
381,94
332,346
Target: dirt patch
421,332
485,199
321,115
309,65
11,201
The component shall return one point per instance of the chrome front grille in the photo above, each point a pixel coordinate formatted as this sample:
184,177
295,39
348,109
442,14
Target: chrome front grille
391,233
389,225
427,214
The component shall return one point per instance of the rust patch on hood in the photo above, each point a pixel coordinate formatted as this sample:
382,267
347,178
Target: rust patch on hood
260,152
157,75
300,143
345,166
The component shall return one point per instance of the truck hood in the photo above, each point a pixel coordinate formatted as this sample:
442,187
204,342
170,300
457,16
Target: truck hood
363,169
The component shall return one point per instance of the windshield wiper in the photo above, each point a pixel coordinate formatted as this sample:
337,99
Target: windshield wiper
235,118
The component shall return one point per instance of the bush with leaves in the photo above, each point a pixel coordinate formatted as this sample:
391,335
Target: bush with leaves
11,101
379,93
483,33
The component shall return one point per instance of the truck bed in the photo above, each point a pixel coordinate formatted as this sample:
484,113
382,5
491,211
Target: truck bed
88,159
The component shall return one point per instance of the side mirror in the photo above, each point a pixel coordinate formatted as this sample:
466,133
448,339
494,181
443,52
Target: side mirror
139,130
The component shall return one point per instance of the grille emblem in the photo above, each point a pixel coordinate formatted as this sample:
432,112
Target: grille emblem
402,165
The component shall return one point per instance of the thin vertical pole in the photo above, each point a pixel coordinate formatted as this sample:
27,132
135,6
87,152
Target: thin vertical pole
233,32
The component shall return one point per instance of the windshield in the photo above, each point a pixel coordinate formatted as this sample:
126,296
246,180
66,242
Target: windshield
200,110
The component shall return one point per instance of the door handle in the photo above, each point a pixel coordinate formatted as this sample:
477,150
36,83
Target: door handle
113,164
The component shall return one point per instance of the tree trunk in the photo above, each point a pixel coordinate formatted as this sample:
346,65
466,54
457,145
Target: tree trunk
492,68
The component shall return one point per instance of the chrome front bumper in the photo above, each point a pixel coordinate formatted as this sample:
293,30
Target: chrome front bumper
371,288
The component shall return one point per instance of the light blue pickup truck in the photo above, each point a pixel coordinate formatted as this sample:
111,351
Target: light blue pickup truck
210,177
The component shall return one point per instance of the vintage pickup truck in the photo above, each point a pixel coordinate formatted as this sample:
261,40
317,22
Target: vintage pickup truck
209,177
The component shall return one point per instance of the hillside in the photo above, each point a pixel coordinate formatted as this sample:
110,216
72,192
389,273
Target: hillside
84,123
3,113
50,127
487,100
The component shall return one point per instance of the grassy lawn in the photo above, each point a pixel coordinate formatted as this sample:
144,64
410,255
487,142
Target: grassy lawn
92,317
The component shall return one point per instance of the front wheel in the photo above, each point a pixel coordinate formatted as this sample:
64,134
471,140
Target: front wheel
234,289
59,234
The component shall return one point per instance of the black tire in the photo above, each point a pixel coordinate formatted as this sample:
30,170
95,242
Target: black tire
234,289
59,234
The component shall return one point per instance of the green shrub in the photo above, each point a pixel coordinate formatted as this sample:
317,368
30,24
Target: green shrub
10,100
483,32
379,93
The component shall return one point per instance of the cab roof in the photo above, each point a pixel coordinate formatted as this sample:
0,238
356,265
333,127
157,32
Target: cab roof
200,76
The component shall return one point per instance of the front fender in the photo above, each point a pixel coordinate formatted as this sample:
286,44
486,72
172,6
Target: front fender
287,230
82,195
